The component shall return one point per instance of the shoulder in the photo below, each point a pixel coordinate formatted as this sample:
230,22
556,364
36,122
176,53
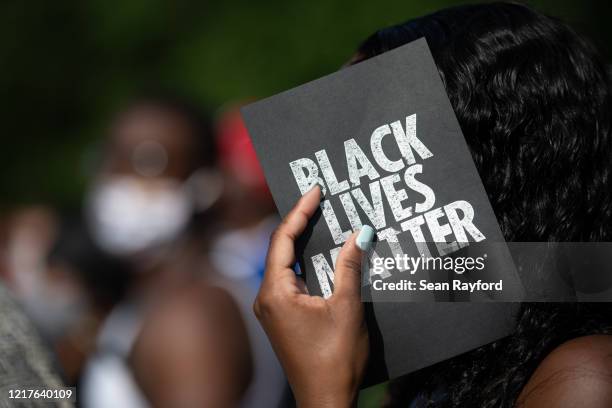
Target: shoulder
577,373
191,324
196,309
196,333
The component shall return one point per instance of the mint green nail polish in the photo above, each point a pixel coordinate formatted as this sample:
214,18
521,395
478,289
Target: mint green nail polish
365,238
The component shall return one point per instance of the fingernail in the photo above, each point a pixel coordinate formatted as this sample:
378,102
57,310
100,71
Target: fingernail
321,194
365,238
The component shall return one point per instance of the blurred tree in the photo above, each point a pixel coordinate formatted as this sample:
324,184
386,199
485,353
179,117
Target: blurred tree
66,66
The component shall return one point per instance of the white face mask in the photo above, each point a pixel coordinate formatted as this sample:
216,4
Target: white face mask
126,217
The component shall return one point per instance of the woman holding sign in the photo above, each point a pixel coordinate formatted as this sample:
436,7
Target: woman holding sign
534,101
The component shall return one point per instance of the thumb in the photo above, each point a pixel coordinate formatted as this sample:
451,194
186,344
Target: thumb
347,277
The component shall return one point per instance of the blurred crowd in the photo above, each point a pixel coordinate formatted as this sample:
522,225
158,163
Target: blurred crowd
143,296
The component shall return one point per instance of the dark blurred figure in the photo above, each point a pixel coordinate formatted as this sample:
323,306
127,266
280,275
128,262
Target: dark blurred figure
102,280
246,218
176,340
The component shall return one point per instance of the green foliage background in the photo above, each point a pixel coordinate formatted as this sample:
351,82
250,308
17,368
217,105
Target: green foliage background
65,66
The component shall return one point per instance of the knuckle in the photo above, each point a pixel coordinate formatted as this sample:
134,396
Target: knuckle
279,232
264,305
274,235
257,308
285,222
339,303
301,214
351,264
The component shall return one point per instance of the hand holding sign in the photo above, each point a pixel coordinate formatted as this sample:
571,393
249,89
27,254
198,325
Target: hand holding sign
381,138
311,334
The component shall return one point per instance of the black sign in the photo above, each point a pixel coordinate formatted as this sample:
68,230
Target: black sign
382,140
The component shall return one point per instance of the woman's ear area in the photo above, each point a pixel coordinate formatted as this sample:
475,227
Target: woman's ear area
577,373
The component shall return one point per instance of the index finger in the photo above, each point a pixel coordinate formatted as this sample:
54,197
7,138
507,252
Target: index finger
281,254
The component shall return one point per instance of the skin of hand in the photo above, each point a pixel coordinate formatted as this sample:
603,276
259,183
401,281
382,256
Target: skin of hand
322,344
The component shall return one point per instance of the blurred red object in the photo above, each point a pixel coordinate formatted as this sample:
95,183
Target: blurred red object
237,155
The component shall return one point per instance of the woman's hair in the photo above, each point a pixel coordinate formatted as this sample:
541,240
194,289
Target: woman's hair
534,102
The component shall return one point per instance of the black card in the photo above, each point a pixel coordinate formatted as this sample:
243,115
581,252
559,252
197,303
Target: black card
383,141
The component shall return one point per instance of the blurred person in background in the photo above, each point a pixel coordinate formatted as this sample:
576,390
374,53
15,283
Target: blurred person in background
246,209
176,340
102,280
54,296
25,361
37,306
246,218
30,232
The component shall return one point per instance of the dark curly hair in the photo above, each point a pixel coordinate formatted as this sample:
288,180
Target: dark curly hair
534,102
